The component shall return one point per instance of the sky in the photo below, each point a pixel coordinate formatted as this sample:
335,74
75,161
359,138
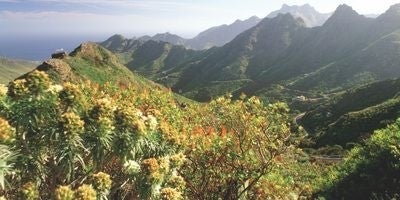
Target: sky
187,18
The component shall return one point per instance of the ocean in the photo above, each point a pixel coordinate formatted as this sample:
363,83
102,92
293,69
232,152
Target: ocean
40,48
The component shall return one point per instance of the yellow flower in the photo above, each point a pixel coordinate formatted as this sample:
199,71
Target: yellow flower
105,105
3,90
170,194
70,93
55,89
72,124
18,88
131,167
150,165
130,119
177,160
85,192
164,164
30,191
38,81
6,131
151,168
177,182
140,127
151,122
64,193
102,181
103,108
106,123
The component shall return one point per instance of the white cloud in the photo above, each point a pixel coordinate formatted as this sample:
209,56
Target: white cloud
51,22
9,1
136,16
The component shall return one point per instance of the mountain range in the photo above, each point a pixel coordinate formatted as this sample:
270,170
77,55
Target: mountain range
331,69
283,50
220,35
281,58
300,105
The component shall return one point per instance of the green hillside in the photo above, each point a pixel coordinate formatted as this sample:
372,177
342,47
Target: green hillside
11,69
348,50
369,171
354,114
92,62
66,135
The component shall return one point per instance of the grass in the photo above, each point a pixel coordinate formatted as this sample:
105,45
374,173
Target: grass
11,69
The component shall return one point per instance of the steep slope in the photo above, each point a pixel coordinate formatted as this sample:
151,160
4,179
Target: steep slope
239,59
11,69
161,37
92,62
154,59
119,44
308,13
170,38
374,56
369,171
220,35
349,49
354,114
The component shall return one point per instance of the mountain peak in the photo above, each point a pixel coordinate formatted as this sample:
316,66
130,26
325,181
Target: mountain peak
392,12
344,14
95,52
117,37
308,13
253,18
345,11
285,6
284,19
237,21
294,7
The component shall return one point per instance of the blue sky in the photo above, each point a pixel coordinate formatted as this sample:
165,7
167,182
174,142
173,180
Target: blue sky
138,17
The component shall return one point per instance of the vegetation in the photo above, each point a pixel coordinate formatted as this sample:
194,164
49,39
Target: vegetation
11,69
348,50
84,127
86,141
353,115
369,171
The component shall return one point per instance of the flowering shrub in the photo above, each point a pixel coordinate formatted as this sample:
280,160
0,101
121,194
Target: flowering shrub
6,131
170,194
101,142
64,193
3,90
85,192
30,191
233,146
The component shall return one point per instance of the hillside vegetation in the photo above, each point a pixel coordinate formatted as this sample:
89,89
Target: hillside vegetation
96,141
11,69
94,125
353,115
84,127
369,171
347,50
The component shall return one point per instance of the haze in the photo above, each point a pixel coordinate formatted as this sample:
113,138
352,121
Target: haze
139,17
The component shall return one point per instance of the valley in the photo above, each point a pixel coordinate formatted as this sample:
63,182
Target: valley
300,104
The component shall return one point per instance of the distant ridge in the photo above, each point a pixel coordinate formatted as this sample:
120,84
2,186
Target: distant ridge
12,68
220,35
308,13
349,49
